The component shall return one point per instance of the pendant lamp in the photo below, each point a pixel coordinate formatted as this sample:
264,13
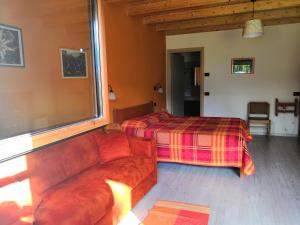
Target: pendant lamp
253,28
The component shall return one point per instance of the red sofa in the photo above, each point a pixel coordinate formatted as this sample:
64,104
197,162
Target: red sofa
95,178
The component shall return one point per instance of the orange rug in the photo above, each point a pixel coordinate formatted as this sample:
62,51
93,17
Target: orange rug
176,213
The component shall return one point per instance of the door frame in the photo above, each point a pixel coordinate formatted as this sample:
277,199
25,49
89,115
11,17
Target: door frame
169,80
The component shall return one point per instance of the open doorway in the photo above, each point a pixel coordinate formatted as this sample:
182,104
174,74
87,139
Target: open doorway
185,82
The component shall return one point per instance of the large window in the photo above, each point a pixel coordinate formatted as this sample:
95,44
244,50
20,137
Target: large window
49,67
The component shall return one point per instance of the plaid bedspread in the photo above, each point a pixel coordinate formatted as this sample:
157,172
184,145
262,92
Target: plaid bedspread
208,141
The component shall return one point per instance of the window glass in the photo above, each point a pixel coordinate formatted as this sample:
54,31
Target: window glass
46,65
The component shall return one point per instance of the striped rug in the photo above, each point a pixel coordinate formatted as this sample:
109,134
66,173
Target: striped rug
176,213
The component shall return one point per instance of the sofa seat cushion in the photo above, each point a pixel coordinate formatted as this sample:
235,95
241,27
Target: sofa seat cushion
129,171
75,202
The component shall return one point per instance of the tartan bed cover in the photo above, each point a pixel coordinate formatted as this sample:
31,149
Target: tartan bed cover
207,141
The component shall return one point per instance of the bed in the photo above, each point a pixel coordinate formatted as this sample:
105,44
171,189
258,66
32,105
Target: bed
204,141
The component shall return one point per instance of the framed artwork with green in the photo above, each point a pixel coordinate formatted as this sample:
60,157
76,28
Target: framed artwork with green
242,66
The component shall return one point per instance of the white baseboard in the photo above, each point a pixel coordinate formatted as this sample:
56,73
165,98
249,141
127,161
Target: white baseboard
275,134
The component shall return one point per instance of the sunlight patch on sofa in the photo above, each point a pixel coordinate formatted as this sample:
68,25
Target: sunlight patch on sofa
131,219
122,199
27,220
15,189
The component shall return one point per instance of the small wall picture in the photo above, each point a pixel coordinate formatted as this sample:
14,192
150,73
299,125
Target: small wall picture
73,63
11,46
242,66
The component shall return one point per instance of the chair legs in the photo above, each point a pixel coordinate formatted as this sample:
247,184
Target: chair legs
266,126
268,129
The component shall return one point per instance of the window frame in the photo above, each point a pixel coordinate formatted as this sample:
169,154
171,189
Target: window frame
23,144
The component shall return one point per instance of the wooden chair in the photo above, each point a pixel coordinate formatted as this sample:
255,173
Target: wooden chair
259,115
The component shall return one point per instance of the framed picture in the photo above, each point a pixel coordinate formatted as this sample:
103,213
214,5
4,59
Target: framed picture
73,63
242,66
11,46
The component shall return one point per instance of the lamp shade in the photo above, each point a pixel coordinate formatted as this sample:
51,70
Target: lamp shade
112,96
160,90
253,28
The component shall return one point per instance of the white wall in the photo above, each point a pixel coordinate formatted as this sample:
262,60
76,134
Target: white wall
277,71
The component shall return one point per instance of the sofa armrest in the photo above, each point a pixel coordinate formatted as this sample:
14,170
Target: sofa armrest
141,146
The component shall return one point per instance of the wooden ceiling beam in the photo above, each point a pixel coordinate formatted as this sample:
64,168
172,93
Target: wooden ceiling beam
121,1
227,20
112,1
204,29
220,11
232,26
147,7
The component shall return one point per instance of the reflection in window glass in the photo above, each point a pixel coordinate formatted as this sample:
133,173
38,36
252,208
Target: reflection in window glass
46,65
242,66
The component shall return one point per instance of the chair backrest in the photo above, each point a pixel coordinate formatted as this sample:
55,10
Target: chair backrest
259,108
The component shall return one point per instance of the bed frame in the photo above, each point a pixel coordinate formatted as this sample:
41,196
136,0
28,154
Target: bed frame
120,115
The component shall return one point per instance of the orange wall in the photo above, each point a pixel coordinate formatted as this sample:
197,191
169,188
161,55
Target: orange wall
135,58
36,96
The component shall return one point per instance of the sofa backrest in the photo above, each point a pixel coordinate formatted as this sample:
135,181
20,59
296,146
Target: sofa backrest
61,161
112,146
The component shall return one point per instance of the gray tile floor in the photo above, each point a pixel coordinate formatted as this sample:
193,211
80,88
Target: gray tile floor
270,197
